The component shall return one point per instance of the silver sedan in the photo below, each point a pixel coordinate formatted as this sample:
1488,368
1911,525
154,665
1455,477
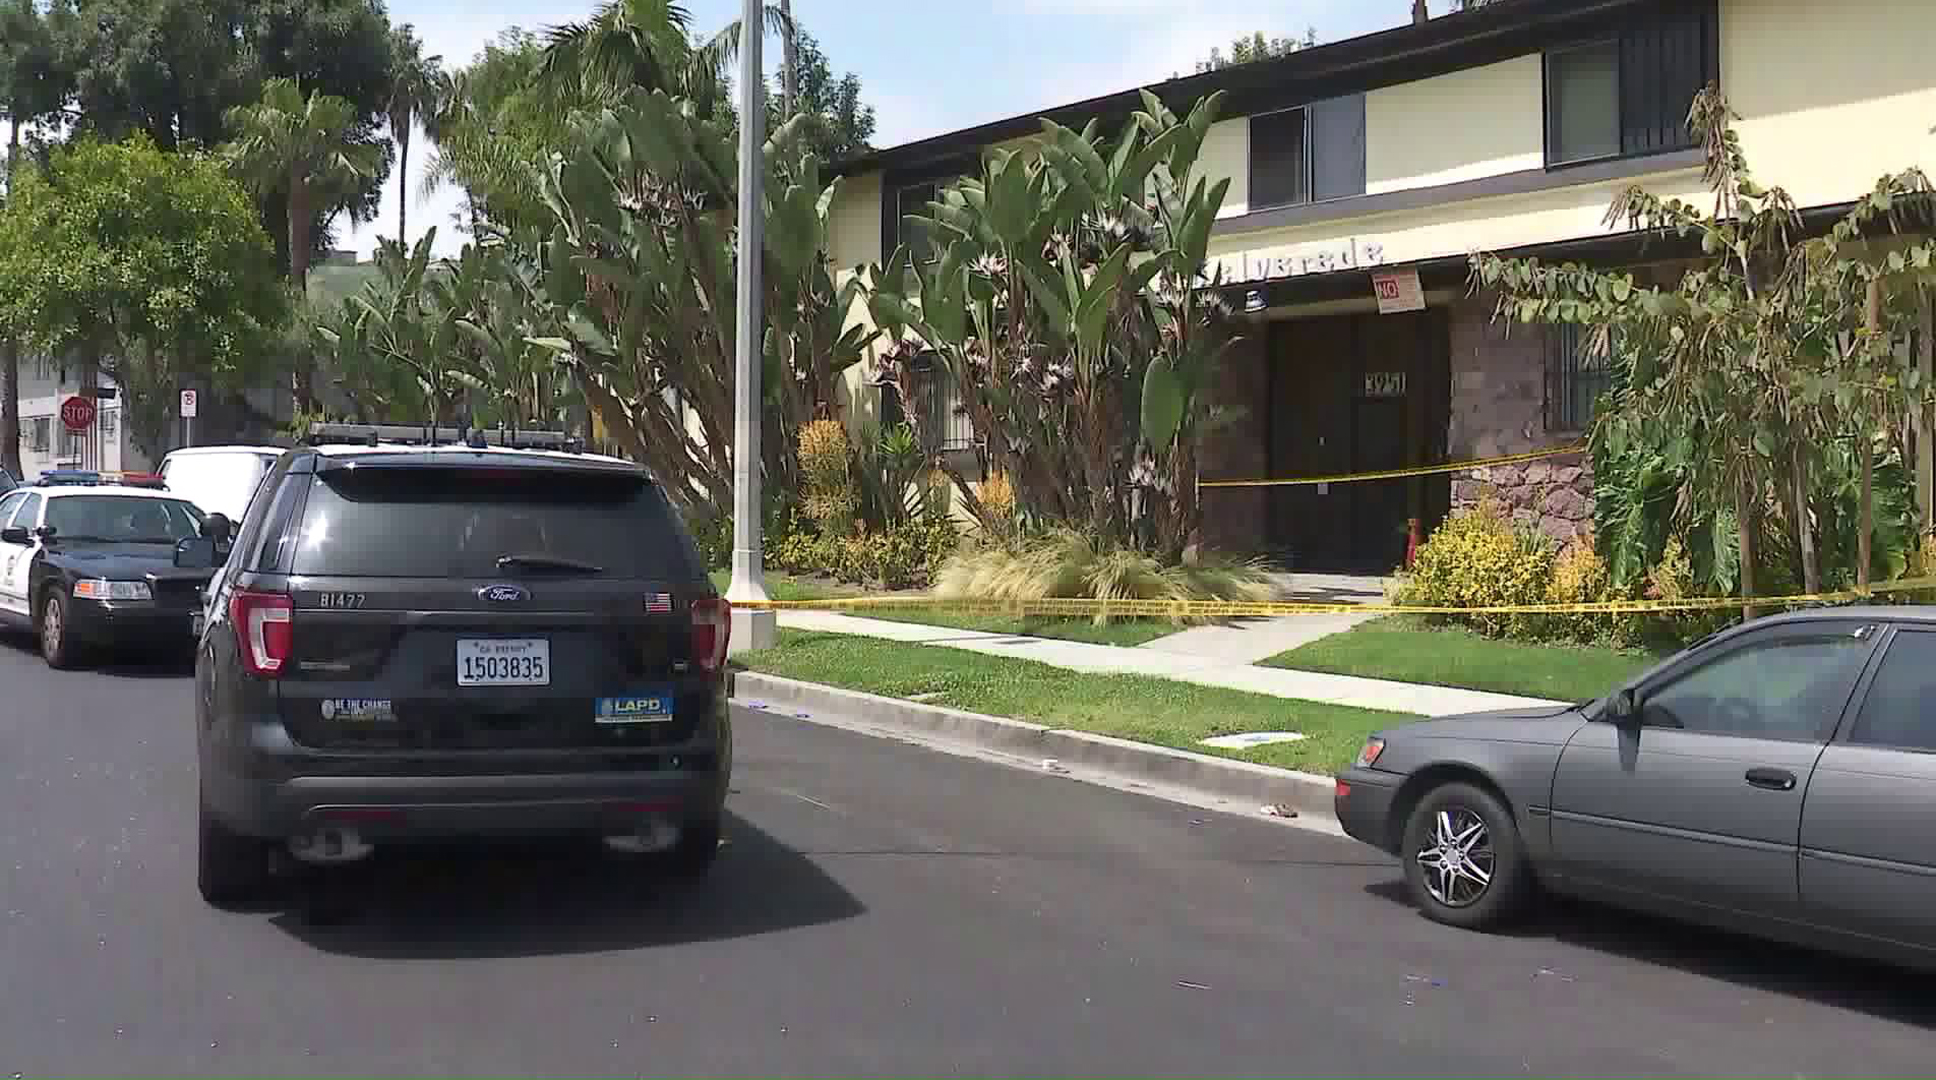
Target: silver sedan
1778,777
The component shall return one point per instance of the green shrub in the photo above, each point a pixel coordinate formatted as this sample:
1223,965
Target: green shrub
901,557
1067,564
1479,559
1581,576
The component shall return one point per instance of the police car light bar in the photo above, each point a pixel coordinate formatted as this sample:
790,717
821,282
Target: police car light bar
340,434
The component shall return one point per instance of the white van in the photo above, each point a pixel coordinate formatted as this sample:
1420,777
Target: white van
219,479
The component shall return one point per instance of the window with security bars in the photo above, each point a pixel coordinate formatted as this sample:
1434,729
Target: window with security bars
1575,377
943,426
40,434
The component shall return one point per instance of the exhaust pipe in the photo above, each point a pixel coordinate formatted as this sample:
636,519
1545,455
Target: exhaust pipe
654,834
329,846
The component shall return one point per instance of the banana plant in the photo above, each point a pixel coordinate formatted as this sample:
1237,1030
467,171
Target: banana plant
1062,303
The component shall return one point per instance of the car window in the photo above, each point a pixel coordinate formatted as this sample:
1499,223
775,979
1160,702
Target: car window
274,537
8,505
1788,688
423,522
1900,709
27,516
124,519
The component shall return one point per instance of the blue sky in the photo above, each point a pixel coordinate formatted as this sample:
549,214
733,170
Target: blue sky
926,67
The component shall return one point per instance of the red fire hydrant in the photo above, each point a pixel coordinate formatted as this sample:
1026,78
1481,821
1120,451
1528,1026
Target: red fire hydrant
1412,540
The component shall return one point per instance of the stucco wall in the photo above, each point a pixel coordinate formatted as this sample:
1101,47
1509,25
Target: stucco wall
1831,96
1462,126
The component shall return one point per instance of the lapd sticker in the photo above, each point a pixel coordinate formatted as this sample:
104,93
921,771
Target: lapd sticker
358,709
641,709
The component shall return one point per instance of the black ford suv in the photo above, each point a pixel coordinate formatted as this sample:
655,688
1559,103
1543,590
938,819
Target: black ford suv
458,642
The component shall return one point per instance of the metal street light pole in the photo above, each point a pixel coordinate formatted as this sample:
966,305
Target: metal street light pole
752,629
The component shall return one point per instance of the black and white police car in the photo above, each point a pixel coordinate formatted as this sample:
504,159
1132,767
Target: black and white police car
91,564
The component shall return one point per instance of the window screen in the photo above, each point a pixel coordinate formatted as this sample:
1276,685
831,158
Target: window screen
1583,103
1337,147
1280,168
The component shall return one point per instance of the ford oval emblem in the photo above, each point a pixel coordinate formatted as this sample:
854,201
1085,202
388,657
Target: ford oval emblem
503,594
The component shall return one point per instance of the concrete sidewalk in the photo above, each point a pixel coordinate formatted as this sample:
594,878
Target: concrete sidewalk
1183,667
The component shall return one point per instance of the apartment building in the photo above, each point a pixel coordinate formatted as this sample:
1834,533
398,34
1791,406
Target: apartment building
1384,161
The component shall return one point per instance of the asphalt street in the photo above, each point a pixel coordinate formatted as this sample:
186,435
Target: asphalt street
879,909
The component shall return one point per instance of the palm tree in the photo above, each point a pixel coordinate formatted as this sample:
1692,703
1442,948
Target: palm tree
644,44
307,149
304,147
418,88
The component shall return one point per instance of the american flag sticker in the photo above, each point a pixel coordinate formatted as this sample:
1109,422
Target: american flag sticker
658,603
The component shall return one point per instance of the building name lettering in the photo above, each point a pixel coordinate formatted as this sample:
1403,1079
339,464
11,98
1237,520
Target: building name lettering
1267,264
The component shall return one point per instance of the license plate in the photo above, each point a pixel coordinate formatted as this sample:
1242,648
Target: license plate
503,662
653,708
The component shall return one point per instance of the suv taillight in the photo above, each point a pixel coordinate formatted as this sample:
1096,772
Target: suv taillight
712,627
262,630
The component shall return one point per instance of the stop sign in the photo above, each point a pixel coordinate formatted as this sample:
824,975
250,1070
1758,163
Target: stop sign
77,413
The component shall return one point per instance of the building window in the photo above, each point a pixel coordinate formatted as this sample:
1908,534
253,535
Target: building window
1575,377
940,422
40,434
1628,94
899,204
1308,154
70,443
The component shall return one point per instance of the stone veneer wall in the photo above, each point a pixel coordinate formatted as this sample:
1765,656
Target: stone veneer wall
1235,519
1498,408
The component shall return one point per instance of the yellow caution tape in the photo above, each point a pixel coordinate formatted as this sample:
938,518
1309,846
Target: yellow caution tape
1228,609
1393,474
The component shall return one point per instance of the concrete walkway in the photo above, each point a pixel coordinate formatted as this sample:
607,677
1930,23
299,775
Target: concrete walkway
1249,641
1198,669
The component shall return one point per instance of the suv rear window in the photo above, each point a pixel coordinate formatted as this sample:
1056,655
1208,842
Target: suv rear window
458,522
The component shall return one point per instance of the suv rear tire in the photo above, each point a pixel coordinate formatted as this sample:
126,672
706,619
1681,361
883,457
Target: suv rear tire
694,853
231,869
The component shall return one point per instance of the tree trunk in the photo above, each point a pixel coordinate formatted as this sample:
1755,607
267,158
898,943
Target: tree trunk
299,224
403,186
789,72
1804,523
10,356
1744,513
1925,431
1865,445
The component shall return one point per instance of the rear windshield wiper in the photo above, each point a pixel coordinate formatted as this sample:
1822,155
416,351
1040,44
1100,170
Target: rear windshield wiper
547,562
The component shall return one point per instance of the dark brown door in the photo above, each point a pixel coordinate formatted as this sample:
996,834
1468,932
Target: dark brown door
1388,375
1312,363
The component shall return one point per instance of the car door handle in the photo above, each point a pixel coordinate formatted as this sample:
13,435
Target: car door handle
1772,779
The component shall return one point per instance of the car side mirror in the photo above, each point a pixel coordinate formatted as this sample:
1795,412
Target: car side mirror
195,553
218,528
16,536
1623,709
46,532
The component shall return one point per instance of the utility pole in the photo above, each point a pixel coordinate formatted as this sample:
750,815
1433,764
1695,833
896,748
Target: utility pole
752,629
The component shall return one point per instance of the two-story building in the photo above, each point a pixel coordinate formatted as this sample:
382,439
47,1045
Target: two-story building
1509,128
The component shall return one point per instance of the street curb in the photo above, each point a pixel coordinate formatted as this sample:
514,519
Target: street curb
1248,785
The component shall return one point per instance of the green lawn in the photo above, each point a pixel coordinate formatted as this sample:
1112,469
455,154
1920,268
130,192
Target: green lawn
1126,706
1117,632
1399,648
